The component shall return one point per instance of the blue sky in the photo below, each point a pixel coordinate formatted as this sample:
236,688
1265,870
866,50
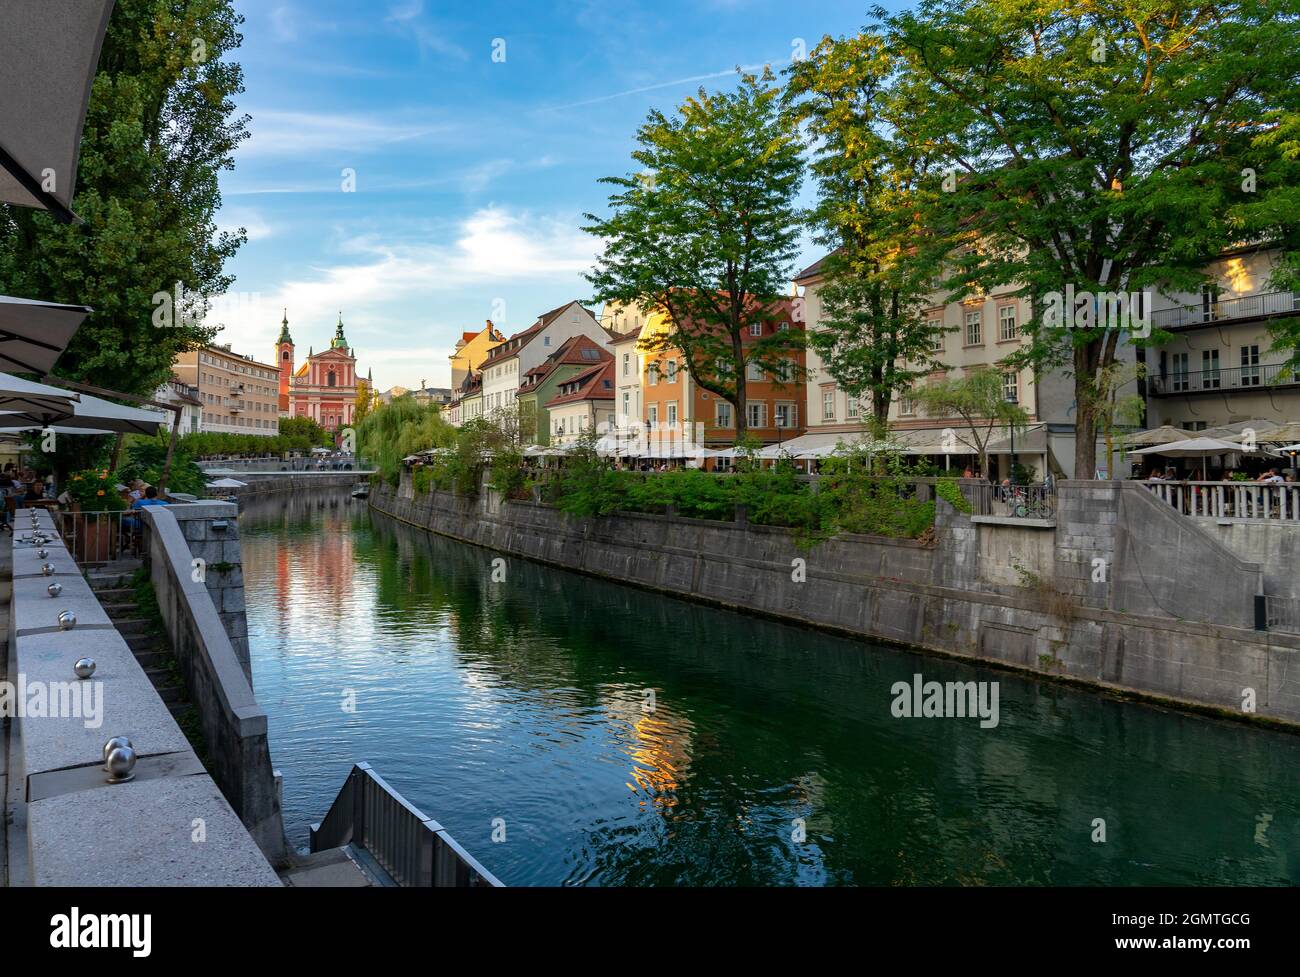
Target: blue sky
471,174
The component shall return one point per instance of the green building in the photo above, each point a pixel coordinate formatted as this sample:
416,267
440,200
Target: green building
542,383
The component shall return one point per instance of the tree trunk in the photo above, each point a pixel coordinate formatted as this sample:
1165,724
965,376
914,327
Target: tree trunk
1085,442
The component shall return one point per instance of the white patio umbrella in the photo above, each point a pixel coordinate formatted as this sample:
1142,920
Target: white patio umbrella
1202,448
226,483
89,415
18,395
33,334
48,55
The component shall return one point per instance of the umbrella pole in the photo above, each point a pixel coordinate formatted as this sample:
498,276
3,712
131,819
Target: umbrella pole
117,453
171,448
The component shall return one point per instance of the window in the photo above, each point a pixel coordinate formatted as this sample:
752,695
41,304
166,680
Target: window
756,329
853,408
828,404
757,414
627,364
627,405
1209,369
784,371
724,414
974,335
672,371
652,415
546,340
783,327
1180,372
1250,366
753,371
787,415
906,405
1007,323
652,373
1011,388
936,335
672,414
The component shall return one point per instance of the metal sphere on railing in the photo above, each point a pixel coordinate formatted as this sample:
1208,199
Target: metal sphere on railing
114,743
67,620
47,569
54,589
42,553
121,765
84,667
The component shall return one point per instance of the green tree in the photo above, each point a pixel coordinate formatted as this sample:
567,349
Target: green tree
307,430
160,127
706,233
1093,144
979,401
873,335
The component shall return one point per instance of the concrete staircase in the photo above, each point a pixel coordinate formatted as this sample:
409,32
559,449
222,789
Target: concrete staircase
113,584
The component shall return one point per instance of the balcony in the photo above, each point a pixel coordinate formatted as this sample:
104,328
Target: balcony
1263,305
1243,379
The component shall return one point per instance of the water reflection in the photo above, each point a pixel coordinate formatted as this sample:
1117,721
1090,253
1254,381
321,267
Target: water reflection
526,700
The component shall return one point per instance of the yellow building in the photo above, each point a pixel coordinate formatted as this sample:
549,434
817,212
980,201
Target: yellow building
471,350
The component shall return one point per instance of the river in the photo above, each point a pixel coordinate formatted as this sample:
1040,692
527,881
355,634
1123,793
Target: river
618,737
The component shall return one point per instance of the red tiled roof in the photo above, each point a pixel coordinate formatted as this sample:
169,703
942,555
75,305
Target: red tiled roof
596,383
813,270
579,350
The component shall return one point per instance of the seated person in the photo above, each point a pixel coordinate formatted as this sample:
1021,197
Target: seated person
150,498
35,491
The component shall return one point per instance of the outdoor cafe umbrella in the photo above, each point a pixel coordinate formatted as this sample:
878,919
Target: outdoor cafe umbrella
1159,435
33,334
91,414
18,396
48,55
1201,448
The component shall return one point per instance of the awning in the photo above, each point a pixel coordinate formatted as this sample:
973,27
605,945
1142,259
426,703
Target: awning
226,483
1198,448
33,334
48,55
1029,442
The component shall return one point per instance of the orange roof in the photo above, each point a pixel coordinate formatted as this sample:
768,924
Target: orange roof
577,350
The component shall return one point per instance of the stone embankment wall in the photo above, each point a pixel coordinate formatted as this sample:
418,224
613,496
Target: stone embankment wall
1023,593
219,683
264,483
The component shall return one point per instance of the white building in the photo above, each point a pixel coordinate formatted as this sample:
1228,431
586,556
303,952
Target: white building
180,394
505,366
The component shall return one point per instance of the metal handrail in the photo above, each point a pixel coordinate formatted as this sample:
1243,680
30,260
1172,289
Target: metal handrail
415,850
1226,378
1243,307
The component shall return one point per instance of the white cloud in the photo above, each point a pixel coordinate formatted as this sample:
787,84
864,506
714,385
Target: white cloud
276,133
394,289
233,218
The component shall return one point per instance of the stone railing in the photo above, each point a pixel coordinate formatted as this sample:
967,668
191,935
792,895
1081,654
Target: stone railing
234,725
1259,501
81,829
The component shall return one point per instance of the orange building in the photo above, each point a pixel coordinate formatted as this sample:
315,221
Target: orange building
676,408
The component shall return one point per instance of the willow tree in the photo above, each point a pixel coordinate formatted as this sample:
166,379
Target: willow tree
1097,145
873,335
706,232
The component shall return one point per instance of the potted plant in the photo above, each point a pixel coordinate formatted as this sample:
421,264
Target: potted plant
94,525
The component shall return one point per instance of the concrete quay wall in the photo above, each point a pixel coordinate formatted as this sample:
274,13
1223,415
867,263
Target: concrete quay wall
69,826
1016,593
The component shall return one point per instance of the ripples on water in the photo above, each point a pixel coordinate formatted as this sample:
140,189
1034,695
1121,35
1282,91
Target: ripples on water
526,701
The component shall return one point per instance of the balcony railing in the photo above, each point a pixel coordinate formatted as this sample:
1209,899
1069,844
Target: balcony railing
1243,378
1256,501
1246,307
